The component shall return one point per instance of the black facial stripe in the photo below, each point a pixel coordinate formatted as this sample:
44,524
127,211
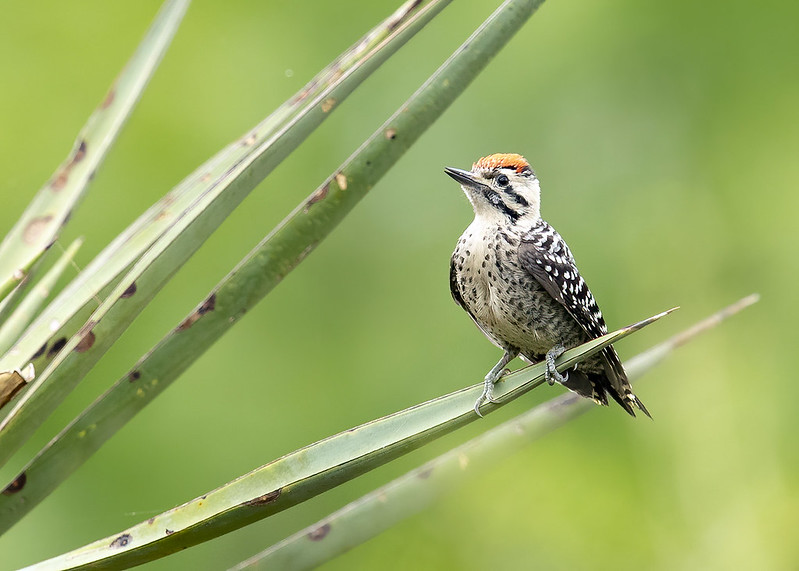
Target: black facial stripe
517,198
496,201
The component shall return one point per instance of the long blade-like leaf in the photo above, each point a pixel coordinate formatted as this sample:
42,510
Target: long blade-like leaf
256,275
24,314
252,279
70,310
312,470
411,493
216,198
262,269
40,224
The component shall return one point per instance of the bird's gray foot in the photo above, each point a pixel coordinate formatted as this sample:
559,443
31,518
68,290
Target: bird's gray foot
552,373
492,377
487,396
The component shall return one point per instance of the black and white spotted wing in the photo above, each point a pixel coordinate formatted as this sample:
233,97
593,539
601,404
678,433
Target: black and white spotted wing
545,255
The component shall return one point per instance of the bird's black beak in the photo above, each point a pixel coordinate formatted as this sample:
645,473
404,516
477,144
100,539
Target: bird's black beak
462,176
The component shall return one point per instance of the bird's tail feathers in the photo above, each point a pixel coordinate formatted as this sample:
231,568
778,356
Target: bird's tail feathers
617,384
586,386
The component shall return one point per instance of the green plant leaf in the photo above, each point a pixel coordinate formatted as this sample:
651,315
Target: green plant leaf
312,470
213,196
262,269
40,224
30,304
73,306
414,491
70,310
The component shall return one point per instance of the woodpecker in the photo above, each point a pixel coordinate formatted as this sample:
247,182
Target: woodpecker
518,281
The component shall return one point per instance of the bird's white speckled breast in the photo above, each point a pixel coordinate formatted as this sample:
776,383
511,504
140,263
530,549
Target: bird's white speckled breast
506,302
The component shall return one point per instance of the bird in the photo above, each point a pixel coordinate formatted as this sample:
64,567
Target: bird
518,281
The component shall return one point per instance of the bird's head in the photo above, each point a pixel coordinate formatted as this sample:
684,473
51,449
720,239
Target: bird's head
502,188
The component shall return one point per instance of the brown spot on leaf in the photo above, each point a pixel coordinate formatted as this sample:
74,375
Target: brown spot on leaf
80,152
328,104
319,533
341,179
17,485
399,18
35,228
134,376
188,322
265,499
57,346
424,474
208,305
169,531
151,521
305,92
391,133
85,343
336,76
318,195
121,541
250,141
109,98
40,352
60,180
129,292
62,176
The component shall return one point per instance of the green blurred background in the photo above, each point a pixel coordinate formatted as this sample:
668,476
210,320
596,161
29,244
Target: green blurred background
665,135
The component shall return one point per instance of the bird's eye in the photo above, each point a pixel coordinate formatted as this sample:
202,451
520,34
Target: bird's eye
502,180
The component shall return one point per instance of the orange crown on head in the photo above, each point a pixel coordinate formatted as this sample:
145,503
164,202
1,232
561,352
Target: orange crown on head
503,160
